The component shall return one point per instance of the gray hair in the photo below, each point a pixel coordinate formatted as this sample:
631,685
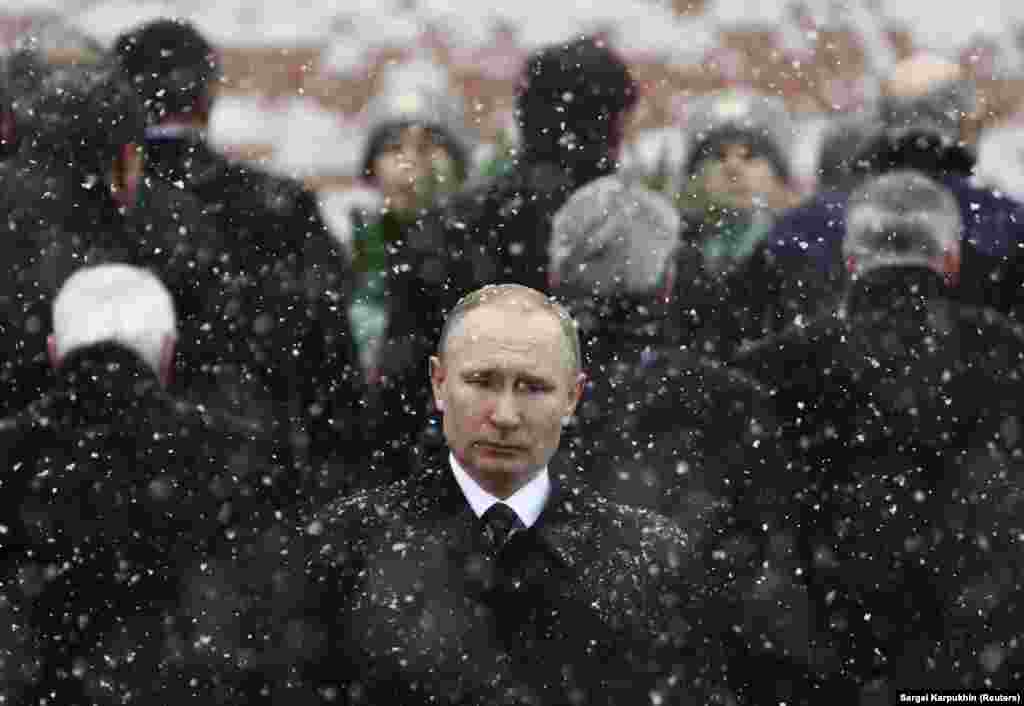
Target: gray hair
901,218
495,293
613,238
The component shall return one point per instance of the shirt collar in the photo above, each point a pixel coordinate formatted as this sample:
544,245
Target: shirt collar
528,501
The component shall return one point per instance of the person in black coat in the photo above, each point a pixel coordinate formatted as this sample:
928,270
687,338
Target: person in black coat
294,282
571,108
76,194
73,195
659,425
492,577
119,500
800,270
901,415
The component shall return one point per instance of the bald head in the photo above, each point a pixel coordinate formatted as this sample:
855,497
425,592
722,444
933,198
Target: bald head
521,298
919,74
927,94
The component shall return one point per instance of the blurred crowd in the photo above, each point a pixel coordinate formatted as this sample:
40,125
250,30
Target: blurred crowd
817,393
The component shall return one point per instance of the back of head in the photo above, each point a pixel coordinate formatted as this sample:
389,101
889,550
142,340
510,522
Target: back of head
902,219
118,304
613,239
170,64
81,115
570,104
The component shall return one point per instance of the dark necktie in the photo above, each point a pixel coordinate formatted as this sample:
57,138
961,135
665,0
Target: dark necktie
500,523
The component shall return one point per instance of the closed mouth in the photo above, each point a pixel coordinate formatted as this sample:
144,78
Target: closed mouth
501,447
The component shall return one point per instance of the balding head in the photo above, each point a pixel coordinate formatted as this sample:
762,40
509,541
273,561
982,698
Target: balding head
519,297
118,304
919,74
927,93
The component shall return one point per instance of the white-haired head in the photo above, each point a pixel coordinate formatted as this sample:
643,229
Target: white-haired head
115,303
613,238
902,219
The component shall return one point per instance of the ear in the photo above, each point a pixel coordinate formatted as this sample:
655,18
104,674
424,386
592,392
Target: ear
51,349
670,282
167,361
575,394
950,267
127,173
438,376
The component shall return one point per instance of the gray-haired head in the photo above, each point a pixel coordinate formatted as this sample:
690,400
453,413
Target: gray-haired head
613,238
524,296
901,219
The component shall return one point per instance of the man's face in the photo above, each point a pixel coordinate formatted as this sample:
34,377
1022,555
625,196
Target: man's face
737,177
405,166
504,385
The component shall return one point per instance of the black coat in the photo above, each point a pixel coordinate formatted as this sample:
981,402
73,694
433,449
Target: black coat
677,433
59,219
499,231
287,331
418,295
896,556
257,347
123,508
597,604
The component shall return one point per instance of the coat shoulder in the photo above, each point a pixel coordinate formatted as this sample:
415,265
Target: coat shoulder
653,536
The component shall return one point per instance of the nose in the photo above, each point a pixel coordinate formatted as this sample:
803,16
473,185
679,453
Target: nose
505,413
732,165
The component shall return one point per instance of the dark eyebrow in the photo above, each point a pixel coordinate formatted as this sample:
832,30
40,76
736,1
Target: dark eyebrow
534,380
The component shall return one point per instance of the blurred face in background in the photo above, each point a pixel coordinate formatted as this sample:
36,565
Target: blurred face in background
737,177
412,167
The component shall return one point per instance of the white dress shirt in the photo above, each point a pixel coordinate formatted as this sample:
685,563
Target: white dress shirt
528,501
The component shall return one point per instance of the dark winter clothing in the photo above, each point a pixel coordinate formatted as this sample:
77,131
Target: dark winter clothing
290,328
800,270
418,296
570,109
666,429
894,553
715,305
57,221
117,497
597,603
292,285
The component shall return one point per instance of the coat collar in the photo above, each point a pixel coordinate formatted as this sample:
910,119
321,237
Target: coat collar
99,385
893,289
563,526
